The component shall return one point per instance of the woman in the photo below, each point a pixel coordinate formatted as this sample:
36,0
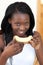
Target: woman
19,20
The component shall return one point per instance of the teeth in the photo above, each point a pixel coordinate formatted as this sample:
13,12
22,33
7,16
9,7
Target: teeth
21,32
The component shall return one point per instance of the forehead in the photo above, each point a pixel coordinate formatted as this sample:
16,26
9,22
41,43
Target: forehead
20,16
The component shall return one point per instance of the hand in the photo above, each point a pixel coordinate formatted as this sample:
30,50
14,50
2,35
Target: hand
13,48
36,42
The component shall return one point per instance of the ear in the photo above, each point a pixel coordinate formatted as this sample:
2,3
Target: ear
9,20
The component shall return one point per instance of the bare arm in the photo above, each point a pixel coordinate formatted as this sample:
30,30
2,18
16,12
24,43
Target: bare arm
3,58
39,53
11,49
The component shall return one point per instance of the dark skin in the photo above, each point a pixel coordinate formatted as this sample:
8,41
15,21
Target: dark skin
2,45
20,23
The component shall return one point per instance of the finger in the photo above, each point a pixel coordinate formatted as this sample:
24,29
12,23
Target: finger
32,43
21,44
12,42
36,34
37,39
36,42
18,50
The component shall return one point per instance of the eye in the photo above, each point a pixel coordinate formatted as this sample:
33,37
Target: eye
27,23
17,24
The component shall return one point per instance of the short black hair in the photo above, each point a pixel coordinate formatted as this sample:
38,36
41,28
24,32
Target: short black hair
14,8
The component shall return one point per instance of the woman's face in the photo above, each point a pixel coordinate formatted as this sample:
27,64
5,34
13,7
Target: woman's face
20,23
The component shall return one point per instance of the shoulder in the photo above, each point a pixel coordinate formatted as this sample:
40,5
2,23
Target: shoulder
1,35
1,39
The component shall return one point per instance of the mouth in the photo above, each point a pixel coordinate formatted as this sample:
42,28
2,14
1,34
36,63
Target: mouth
21,33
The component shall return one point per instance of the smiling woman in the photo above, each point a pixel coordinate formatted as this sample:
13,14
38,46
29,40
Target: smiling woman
19,20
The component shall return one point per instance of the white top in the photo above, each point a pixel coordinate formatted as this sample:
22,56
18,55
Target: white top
26,57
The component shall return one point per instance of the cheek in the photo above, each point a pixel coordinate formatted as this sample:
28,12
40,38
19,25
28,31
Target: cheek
27,27
14,27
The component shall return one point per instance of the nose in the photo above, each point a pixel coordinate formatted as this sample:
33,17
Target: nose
22,27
